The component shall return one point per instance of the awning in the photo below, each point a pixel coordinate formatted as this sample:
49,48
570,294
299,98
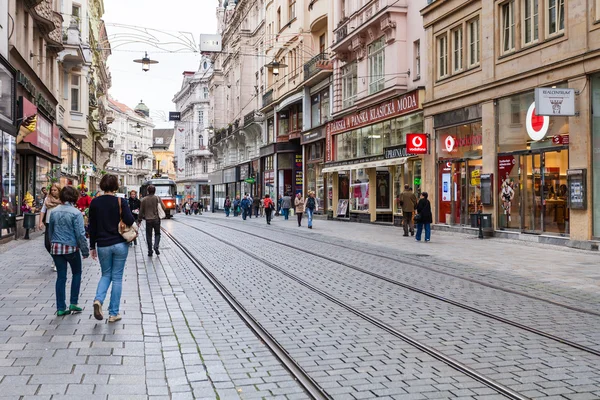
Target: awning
368,164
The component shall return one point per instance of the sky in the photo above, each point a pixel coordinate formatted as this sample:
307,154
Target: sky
157,86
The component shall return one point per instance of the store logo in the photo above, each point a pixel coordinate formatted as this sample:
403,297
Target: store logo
416,143
536,125
450,142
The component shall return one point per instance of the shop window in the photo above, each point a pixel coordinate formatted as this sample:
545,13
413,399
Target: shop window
8,175
376,52
320,108
315,108
473,37
284,124
442,56
417,61
555,17
530,21
315,151
457,50
359,190
508,26
349,84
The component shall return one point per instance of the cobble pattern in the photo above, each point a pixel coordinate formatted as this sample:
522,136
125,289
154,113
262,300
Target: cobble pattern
347,356
520,360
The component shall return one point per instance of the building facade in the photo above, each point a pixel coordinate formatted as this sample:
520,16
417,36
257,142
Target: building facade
490,150
130,140
192,155
163,149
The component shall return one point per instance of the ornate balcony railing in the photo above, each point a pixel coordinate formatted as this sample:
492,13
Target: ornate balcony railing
311,68
267,98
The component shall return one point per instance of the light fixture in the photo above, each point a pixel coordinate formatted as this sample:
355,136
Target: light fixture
274,66
146,61
138,127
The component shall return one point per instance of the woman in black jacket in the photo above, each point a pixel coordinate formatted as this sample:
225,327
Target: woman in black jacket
424,217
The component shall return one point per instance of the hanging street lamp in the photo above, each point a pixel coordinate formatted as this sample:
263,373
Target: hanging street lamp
146,61
274,66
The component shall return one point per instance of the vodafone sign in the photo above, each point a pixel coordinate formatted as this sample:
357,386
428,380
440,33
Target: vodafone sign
537,125
416,143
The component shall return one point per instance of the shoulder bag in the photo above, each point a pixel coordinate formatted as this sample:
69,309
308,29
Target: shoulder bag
417,218
129,233
159,209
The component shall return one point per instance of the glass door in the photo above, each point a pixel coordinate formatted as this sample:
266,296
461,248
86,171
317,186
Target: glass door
556,213
533,200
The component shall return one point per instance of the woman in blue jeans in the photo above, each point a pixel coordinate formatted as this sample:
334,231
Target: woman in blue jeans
67,243
425,218
310,206
112,249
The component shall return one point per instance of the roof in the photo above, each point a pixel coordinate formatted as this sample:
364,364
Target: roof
166,134
122,107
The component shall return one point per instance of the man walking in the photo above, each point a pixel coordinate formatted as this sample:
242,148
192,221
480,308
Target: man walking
408,202
149,212
256,206
286,204
245,204
134,206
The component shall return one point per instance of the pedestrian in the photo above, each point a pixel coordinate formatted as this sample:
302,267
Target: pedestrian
67,244
310,206
256,206
84,201
424,217
286,204
250,201
299,205
149,213
279,199
43,195
107,244
262,207
200,206
236,206
51,201
245,204
227,206
408,202
269,208
195,207
134,206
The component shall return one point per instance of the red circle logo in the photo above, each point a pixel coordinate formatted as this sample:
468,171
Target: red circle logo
537,122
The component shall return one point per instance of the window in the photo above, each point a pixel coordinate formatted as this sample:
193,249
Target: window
201,119
201,141
442,49
508,26
322,43
473,28
204,166
376,65
205,94
531,21
349,84
555,16
417,63
76,14
75,92
279,19
320,108
457,47
292,9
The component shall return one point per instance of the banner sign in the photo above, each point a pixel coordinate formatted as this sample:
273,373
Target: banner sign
554,101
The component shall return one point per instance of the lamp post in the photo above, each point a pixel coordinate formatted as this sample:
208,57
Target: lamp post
146,61
274,66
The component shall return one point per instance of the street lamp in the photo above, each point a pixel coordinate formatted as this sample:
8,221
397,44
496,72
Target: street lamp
274,66
138,127
146,61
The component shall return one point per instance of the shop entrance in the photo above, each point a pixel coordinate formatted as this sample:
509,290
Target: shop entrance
460,190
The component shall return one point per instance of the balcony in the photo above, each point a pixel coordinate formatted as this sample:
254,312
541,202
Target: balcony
198,153
48,21
267,98
316,65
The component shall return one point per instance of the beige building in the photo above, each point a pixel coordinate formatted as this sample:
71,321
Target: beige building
488,57
163,149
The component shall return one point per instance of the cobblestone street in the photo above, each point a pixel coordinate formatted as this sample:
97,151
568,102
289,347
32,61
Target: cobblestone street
360,310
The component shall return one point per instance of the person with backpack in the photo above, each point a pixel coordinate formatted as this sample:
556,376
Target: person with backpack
269,207
310,206
227,206
245,204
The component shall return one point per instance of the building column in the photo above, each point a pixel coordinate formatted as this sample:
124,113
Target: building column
580,156
335,195
372,174
429,168
490,154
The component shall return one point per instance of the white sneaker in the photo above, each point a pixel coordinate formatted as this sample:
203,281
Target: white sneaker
54,267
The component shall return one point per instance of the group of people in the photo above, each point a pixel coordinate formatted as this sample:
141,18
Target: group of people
192,207
267,207
418,212
67,241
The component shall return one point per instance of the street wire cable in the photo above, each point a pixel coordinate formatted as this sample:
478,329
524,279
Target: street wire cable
457,365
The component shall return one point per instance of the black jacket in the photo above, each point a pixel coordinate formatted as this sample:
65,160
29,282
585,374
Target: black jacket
134,204
424,210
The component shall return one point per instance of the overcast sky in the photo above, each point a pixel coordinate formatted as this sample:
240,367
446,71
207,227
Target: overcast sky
157,86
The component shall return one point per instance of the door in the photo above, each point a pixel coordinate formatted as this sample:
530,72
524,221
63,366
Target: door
533,204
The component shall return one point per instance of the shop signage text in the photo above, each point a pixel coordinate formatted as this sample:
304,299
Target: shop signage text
312,136
355,161
401,105
560,139
174,116
555,101
395,152
38,98
417,143
299,175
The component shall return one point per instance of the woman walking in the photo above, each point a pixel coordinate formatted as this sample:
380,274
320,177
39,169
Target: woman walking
424,218
51,201
67,244
227,206
310,207
269,207
299,206
106,212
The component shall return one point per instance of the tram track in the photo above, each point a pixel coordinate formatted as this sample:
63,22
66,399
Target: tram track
415,289
293,367
412,262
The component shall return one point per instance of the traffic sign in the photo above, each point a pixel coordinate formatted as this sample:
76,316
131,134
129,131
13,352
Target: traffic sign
128,159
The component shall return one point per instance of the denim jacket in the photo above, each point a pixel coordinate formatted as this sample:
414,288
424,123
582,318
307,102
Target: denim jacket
66,227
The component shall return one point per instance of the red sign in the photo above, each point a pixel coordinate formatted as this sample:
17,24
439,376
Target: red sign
560,139
417,143
389,109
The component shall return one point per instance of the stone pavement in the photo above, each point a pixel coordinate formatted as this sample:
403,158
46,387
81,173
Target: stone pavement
167,346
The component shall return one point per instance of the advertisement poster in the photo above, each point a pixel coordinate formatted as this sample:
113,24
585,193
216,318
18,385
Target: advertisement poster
342,208
299,177
446,182
383,190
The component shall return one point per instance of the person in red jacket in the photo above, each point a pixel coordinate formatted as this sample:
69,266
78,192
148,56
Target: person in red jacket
269,207
84,201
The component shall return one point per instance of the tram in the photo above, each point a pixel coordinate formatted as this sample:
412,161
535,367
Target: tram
166,189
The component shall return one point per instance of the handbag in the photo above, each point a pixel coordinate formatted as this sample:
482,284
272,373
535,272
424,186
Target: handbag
159,210
129,233
417,218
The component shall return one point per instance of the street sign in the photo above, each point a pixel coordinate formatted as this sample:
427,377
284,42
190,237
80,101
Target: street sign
554,101
128,159
210,43
174,116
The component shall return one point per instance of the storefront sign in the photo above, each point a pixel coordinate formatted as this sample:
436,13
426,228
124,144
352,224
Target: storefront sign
458,142
174,116
39,99
577,188
395,152
555,101
392,108
299,176
536,125
417,143
354,161
312,136
560,139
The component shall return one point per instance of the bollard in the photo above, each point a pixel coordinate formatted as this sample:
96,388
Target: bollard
480,224
28,223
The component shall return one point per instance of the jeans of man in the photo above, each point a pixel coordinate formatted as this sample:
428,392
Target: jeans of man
61,261
227,210
256,211
407,222
153,225
427,232
286,213
269,215
244,213
112,262
309,214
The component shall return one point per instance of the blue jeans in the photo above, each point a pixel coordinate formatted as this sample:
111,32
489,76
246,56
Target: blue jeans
112,261
427,232
227,210
74,260
245,213
286,213
309,214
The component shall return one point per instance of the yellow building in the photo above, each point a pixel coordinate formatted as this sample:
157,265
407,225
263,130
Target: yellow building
163,148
